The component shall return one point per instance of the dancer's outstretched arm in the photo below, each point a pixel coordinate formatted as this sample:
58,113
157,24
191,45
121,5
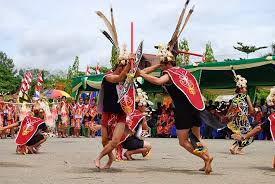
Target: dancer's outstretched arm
9,126
155,80
151,68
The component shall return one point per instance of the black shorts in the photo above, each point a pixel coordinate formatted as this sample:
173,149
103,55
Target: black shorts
187,119
132,143
35,139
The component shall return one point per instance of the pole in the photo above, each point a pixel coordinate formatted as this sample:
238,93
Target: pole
132,44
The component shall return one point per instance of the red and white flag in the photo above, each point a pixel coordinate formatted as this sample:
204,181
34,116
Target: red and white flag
87,70
39,84
26,83
97,69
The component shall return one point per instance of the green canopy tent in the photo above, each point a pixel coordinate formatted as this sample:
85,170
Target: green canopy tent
216,77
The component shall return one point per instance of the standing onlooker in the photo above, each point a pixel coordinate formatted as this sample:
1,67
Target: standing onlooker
207,134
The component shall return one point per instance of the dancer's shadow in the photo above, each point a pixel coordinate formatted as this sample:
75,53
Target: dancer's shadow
13,164
86,170
173,170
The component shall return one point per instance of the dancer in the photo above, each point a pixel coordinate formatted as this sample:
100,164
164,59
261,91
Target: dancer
270,121
134,143
113,113
30,135
185,93
237,115
78,116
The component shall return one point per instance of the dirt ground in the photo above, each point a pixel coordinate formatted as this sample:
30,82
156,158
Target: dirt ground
71,161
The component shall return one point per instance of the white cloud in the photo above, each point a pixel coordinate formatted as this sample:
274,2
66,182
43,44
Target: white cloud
49,34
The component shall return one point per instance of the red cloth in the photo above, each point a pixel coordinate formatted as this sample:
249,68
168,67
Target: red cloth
271,118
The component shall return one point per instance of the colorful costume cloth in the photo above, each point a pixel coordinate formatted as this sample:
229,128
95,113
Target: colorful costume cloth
64,112
238,119
164,126
2,114
72,108
78,115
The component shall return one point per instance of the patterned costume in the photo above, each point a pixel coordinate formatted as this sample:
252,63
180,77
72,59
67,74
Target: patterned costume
78,115
64,111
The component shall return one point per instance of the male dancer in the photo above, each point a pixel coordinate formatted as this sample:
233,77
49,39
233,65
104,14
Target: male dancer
112,113
184,91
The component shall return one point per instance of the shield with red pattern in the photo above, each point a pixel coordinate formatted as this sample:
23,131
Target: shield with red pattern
27,129
187,83
271,118
127,102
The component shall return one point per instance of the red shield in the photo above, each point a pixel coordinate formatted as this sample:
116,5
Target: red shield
187,83
272,125
128,101
27,129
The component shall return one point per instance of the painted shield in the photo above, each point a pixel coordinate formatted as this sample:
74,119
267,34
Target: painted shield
27,129
127,102
187,83
271,118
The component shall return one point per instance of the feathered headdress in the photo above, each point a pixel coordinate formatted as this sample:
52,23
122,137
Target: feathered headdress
142,98
271,97
169,52
241,82
113,38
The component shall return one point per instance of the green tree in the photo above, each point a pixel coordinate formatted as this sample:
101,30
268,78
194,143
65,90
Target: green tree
183,58
75,67
102,69
185,47
247,49
209,54
8,80
6,61
114,56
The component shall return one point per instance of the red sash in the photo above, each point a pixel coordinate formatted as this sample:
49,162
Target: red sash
271,118
27,129
187,83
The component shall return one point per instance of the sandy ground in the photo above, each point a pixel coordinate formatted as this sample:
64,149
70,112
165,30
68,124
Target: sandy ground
71,161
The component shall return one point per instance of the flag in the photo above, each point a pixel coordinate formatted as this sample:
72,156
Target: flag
38,85
87,70
26,83
97,69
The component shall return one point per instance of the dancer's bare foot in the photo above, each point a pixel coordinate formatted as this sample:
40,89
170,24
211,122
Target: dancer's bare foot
208,167
109,163
97,163
233,149
240,152
127,155
147,153
237,137
31,150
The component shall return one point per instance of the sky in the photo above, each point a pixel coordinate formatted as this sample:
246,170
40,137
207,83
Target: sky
49,34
